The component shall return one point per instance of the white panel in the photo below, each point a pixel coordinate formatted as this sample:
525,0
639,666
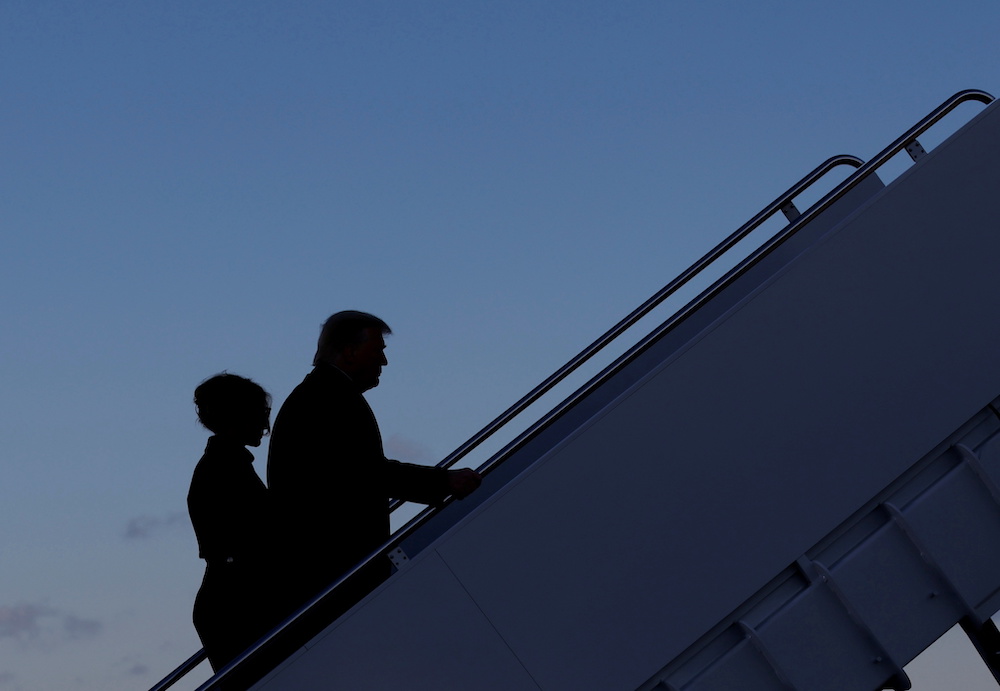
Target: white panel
818,647
744,668
950,519
698,486
419,632
902,599
666,511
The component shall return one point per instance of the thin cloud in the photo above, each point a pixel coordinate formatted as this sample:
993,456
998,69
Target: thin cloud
132,667
146,526
38,623
78,627
404,449
19,621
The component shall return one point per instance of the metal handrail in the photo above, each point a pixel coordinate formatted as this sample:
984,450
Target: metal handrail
900,144
863,170
403,533
182,670
645,308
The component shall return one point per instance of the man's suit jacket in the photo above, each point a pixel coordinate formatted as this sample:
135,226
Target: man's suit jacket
331,482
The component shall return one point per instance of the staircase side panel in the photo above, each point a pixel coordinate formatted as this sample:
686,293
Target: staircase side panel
659,515
699,485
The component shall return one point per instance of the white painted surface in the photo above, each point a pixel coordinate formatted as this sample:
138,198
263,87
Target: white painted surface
689,492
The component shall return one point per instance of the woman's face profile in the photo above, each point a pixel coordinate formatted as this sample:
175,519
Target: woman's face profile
256,427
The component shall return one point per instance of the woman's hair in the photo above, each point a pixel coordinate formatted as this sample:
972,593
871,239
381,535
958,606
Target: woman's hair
226,399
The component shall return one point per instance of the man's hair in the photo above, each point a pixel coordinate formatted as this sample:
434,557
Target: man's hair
227,398
346,329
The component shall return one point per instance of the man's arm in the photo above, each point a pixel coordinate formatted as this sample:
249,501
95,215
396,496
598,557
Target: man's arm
427,485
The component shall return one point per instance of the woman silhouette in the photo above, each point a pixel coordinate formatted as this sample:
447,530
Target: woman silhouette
229,510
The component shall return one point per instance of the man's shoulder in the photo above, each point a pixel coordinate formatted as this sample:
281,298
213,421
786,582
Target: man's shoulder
320,395
318,383
326,380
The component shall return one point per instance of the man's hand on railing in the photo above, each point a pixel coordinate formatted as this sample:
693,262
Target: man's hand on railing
461,483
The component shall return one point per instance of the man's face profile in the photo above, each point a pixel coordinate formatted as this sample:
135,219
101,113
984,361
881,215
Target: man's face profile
365,360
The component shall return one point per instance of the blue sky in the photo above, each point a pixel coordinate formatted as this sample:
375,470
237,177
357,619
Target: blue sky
189,187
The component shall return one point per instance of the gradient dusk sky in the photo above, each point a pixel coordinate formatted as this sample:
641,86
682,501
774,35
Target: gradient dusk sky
190,187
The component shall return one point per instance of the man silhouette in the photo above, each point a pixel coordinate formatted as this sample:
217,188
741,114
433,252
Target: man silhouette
329,478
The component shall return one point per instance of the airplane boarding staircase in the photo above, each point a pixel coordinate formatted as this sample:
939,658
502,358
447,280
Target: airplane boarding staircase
793,483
